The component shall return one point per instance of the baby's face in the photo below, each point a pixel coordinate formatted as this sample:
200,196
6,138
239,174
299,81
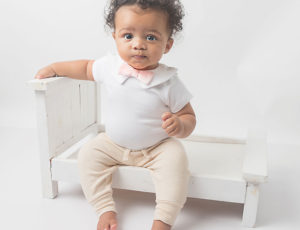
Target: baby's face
141,36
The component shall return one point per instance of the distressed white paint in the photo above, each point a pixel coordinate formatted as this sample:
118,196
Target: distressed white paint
49,186
250,206
61,106
223,169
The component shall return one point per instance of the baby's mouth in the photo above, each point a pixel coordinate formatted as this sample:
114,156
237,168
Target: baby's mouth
139,57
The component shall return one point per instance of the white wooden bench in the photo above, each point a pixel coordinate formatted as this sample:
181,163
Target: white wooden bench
68,114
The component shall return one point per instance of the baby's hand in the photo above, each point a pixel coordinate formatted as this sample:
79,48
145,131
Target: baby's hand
45,72
172,124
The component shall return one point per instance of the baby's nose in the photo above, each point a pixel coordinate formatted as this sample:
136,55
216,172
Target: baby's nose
139,44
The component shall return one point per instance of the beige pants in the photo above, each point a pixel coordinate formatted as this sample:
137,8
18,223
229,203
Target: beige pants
167,161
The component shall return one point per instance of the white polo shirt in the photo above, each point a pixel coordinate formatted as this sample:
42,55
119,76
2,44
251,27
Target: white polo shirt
133,109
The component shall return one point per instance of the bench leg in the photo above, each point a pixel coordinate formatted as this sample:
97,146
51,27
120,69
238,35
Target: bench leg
46,150
251,205
49,187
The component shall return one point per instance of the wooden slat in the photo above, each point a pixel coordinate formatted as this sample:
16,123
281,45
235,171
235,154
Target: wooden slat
46,84
212,139
219,179
217,188
139,179
70,110
215,159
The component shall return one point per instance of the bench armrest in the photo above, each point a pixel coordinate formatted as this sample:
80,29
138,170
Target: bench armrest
46,83
255,162
67,110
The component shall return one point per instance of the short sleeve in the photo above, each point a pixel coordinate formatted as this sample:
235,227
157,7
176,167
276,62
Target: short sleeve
101,68
175,95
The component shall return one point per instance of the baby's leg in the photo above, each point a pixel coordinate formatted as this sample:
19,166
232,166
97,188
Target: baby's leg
96,163
170,175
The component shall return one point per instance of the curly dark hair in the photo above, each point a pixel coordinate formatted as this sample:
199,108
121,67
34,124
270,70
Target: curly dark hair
173,8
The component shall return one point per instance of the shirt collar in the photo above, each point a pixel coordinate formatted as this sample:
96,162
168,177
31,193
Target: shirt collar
161,74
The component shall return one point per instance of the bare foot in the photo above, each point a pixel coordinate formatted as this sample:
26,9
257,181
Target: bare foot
107,221
159,225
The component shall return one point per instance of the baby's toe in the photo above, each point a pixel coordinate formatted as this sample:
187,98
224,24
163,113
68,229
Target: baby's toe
113,226
106,227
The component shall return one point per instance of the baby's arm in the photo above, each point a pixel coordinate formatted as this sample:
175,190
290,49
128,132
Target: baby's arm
180,124
81,70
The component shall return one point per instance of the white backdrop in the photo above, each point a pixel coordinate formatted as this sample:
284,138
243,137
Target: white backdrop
239,58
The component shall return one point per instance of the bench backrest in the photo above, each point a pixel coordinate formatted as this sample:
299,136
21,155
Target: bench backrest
67,110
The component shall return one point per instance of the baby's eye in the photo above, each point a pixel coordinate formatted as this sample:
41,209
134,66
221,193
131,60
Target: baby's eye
151,38
128,36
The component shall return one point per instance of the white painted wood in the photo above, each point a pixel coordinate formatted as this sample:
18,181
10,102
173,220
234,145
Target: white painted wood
70,110
216,170
215,159
223,169
251,205
64,166
211,139
49,187
255,161
210,177
66,112
45,84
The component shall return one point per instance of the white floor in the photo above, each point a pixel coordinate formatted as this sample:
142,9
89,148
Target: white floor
21,205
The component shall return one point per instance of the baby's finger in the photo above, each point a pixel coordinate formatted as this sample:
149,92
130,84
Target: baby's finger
166,115
172,131
41,75
167,123
45,73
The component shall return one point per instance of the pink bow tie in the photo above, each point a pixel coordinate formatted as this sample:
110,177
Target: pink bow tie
144,76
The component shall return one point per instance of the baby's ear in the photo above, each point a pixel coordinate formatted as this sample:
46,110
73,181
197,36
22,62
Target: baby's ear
169,45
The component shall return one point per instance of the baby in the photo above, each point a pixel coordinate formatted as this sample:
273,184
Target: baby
148,107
